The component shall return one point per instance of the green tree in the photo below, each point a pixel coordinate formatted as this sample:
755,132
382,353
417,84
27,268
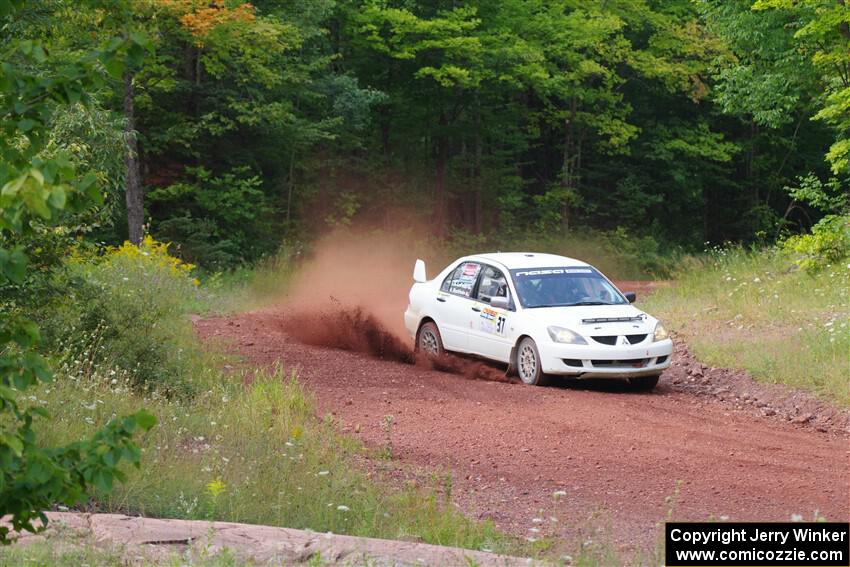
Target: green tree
37,186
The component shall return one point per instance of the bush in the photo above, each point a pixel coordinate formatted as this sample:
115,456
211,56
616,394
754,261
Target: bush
828,243
129,307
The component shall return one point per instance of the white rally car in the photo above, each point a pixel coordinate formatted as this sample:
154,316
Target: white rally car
541,314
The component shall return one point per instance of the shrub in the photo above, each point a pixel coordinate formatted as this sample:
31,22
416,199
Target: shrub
127,306
828,243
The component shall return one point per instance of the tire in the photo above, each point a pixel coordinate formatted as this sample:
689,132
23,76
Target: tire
528,366
428,340
643,383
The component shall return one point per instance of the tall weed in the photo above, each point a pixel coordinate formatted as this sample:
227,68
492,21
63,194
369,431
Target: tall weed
760,312
128,307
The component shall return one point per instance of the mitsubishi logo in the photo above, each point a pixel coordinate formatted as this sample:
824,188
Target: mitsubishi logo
623,341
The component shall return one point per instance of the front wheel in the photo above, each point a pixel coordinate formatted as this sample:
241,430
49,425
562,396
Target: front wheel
643,383
429,341
528,363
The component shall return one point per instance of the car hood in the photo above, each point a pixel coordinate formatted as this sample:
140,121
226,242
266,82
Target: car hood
596,319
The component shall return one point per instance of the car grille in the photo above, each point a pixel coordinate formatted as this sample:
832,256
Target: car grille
661,359
612,339
630,363
572,362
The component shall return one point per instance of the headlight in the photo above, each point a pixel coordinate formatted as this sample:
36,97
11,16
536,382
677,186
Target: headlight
660,333
562,335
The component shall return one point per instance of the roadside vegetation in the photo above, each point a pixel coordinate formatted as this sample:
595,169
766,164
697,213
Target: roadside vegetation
230,444
782,313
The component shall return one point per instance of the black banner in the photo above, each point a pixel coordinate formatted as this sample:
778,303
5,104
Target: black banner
758,544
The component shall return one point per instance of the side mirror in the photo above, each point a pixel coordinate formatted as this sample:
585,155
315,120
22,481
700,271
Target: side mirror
499,302
631,296
419,272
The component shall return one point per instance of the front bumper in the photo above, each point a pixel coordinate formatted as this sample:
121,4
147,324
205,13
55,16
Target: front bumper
592,361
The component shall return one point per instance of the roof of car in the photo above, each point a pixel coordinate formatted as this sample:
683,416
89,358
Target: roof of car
519,260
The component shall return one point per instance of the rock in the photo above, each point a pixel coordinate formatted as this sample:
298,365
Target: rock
805,418
155,541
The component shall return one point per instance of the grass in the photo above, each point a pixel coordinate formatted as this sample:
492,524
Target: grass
756,311
254,454
250,287
64,547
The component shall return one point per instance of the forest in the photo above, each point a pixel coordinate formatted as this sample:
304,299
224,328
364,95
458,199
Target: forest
157,154
236,126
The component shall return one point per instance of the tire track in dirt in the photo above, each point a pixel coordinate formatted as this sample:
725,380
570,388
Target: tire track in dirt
617,455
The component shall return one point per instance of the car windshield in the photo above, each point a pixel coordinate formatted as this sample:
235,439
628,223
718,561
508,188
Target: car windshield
563,287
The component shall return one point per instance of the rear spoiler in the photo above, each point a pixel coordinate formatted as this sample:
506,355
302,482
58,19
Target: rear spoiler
419,271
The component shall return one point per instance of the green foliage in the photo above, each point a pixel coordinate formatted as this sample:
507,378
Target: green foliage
252,450
216,219
40,185
753,310
828,244
260,121
127,309
826,197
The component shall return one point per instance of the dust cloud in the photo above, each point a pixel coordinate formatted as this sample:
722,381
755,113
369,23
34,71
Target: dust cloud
351,294
367,270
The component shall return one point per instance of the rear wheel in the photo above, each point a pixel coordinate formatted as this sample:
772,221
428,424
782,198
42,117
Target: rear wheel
643,383
428,341
528,363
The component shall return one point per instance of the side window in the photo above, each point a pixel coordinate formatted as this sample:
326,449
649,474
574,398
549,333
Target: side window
447,283
462,280
493,284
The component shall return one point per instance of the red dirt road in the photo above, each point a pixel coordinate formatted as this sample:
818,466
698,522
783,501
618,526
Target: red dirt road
620,457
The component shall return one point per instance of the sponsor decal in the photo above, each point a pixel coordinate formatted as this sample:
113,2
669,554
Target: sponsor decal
552,272
471,269
491,322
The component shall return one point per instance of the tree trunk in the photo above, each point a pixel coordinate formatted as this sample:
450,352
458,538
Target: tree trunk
568,167
132,179
442,160
478,209
290,186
